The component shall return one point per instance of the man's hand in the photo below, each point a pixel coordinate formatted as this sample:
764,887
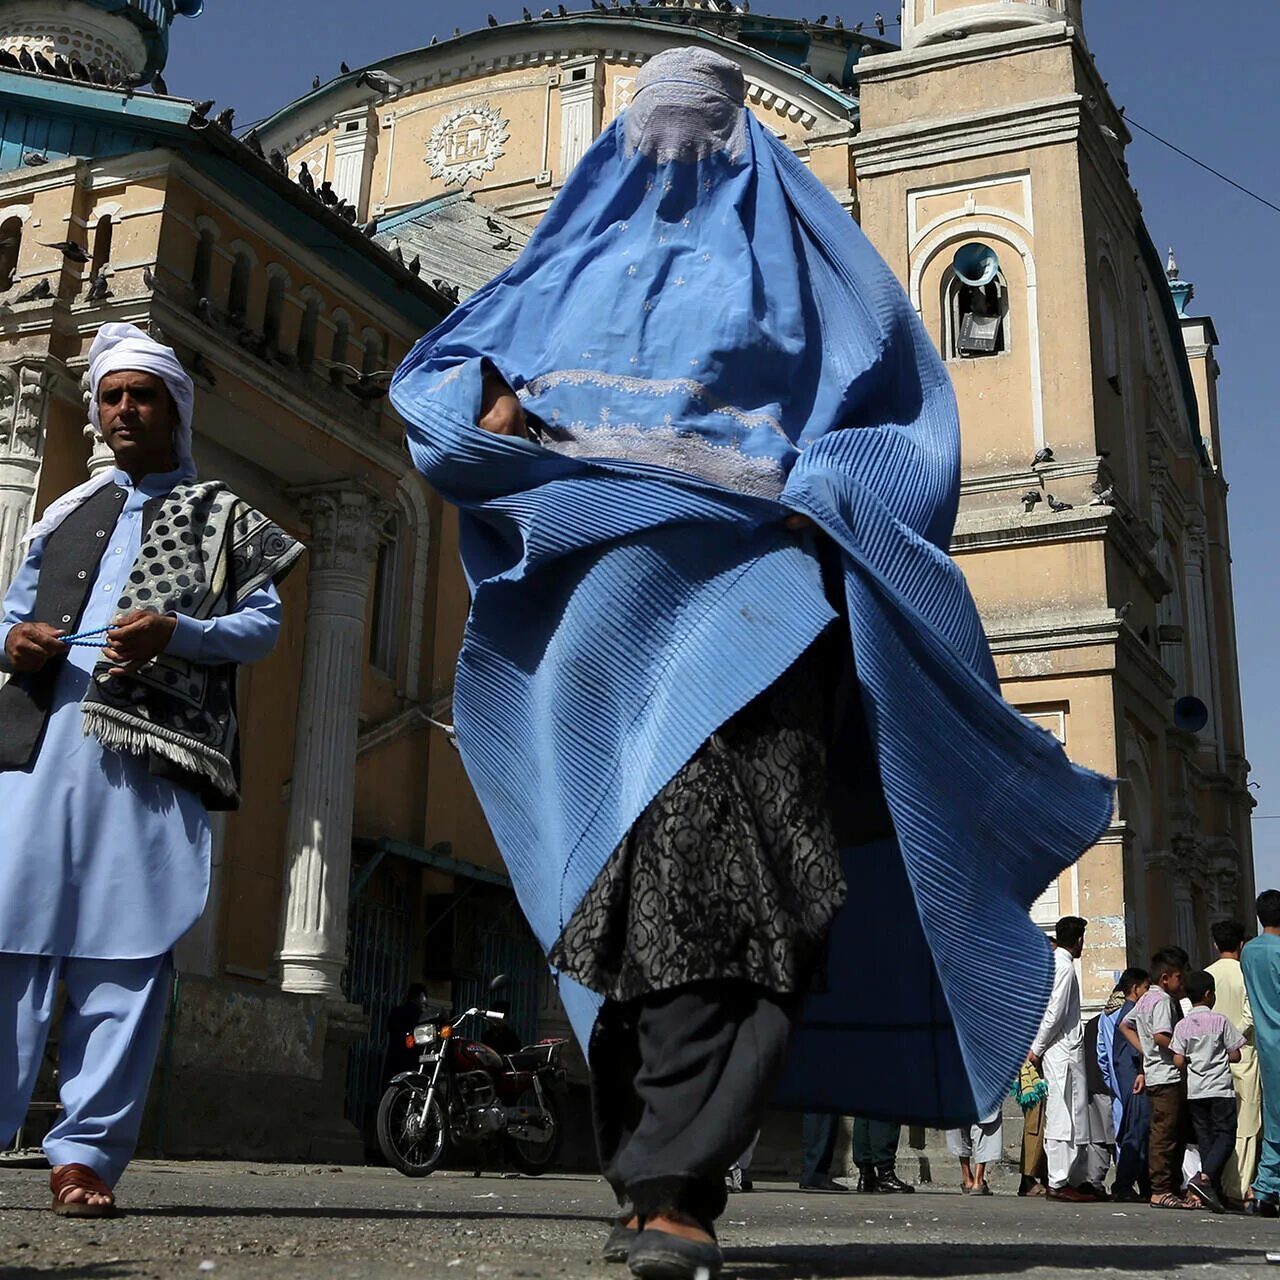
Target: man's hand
796,522
137,638
1034,1059
500,409
1140,1084
31,644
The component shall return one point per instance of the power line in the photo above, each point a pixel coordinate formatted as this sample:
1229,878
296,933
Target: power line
1217,173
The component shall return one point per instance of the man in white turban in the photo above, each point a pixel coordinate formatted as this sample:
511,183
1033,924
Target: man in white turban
140,594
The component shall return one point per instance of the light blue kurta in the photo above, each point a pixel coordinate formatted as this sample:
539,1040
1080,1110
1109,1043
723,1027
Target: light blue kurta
98,858
1260,961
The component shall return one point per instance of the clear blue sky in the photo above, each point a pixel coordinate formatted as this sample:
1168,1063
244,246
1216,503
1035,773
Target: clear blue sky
1202,78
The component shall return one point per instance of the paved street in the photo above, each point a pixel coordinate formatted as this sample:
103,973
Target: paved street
229,1221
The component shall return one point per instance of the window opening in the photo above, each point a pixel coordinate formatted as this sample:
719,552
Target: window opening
238,297
307,333
274,309
102,235
10,248
384,633
341,341
202,269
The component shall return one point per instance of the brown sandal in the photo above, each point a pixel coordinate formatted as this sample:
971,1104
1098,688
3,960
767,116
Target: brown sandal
1167,1200
79,1177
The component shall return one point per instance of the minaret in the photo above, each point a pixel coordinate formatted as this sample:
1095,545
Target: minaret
1183,290
114,41
935,21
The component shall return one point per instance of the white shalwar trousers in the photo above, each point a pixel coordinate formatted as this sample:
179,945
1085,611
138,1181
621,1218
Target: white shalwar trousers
1068,1163
110,1032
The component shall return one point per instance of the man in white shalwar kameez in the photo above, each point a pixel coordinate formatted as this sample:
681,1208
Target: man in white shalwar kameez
1058,1053
141,593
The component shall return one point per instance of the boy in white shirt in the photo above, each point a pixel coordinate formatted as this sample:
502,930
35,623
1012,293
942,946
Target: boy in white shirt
1204,1045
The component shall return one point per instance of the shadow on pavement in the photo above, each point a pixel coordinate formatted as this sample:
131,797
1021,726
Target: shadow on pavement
117,1270
350,1211
798,1262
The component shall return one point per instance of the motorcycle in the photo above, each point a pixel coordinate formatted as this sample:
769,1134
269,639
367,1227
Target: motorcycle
466,1094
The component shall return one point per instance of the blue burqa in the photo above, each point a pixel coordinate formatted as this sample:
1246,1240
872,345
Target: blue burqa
709,343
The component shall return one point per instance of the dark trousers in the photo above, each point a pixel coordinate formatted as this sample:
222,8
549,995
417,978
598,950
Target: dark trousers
680,1080
1168,1140
819,1133
875,1144
1214,1121
1133,1162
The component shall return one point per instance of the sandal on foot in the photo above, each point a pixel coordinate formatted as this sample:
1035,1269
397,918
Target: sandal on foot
79,1177
1168,1200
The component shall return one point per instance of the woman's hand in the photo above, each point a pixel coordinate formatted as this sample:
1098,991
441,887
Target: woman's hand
500,409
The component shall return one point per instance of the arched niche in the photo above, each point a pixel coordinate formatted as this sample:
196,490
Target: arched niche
1001,399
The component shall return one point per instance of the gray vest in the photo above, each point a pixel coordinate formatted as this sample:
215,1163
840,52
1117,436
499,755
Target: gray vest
72,553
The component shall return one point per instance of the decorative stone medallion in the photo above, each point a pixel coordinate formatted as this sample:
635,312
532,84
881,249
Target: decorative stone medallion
623,87
466,144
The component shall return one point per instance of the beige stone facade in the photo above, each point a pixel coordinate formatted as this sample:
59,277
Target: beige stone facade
360,858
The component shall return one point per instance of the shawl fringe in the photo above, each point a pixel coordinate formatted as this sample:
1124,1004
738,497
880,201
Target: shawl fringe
116,730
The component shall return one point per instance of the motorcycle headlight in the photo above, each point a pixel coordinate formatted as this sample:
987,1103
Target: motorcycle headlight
425,1034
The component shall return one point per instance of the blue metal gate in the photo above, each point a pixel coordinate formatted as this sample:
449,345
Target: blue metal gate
492,938
378,957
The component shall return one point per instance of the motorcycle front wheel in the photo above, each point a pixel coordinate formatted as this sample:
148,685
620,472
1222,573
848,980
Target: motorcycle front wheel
414,1144
531,1157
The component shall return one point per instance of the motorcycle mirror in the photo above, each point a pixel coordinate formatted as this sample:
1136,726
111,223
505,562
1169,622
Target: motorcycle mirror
499,981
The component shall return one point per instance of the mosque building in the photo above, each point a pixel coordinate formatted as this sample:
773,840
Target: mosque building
984,158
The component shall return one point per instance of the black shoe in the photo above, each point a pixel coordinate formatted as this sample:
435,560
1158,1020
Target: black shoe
824,1182
1263,1207
618,1245
889,1183
658,1255
866,1179
1203,1190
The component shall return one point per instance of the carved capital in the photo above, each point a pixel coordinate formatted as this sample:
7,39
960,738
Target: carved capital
23,390
346,522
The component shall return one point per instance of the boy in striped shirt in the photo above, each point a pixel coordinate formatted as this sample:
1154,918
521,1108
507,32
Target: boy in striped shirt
1204,1045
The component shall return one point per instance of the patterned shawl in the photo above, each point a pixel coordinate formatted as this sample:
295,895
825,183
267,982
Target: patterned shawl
204,552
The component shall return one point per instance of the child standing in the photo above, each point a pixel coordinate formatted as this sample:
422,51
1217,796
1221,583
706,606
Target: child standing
976,1147
1148,1027
1129,1101
1204,1045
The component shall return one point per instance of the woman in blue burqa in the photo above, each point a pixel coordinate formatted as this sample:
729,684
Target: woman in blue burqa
723,695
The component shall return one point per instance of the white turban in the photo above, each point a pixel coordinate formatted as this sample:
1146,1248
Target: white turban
117,348
124,346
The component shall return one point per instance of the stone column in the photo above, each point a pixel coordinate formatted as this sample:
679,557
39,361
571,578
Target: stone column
100,456
345,523
22,399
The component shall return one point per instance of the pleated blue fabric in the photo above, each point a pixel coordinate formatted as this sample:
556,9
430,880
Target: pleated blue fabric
634,585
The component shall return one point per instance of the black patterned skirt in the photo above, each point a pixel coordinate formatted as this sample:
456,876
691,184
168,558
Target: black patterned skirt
732,871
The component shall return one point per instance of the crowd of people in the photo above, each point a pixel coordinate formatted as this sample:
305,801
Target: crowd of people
1168,1083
